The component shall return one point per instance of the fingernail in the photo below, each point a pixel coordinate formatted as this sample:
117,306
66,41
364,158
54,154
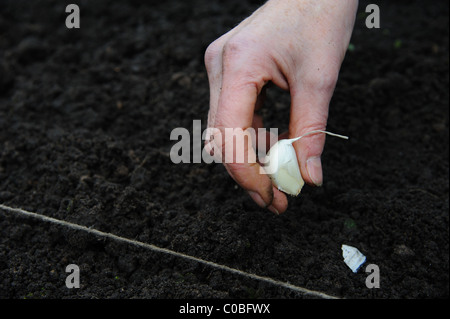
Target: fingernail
273,210
314,168
257,198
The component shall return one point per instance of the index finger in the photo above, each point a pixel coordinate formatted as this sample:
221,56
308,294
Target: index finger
234,116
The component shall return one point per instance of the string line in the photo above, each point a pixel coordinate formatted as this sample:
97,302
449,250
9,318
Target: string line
152,247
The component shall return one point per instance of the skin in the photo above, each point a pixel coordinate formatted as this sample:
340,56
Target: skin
299,46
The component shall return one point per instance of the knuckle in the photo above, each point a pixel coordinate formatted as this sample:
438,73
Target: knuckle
318,124
212,52
237,168
316,121
324,81
233,48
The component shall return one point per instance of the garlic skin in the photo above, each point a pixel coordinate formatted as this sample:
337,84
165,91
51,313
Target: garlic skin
282,164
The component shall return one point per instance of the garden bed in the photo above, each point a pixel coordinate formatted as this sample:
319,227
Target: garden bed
85,120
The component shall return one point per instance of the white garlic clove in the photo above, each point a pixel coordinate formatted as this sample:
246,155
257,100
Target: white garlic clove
353,257
283,168
282,164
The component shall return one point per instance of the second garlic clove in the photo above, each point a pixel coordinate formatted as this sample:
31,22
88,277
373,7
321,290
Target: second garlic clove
353,258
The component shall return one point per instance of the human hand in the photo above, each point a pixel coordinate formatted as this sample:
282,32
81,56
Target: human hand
299,46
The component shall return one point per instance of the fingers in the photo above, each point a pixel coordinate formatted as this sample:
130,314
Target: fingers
234,116
237,93
213,63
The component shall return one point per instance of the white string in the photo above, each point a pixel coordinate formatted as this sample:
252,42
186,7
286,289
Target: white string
315,132
167,251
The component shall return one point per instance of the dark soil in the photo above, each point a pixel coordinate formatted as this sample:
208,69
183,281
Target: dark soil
85,120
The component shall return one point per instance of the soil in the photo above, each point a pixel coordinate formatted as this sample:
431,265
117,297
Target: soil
85,121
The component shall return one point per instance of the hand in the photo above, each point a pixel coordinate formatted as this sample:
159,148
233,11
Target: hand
299,46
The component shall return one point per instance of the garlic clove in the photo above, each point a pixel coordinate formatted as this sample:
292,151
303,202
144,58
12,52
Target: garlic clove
282,164
353,258
284,170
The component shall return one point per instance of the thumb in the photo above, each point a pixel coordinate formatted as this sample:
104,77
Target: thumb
309,112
